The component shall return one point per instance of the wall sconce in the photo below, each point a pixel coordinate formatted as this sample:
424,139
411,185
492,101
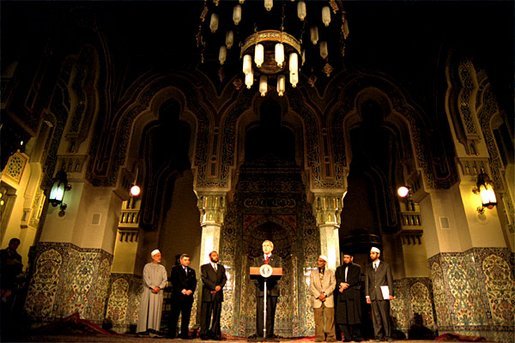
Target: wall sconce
135,190
406,193
485,189
403,191
59,187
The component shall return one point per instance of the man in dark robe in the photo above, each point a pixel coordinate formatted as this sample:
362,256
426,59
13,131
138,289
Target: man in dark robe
348,308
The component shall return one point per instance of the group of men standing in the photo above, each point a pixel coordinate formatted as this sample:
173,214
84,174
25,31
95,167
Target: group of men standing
184,284
345,286
336,297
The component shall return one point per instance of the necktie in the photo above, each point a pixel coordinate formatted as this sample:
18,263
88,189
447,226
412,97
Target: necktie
267,259
215,267
346,271
186,271
375,266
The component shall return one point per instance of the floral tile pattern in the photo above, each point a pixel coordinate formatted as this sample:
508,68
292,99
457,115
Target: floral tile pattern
474,292
82,276
412,295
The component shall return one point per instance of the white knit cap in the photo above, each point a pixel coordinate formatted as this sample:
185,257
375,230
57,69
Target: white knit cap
374,249
154,252
323,257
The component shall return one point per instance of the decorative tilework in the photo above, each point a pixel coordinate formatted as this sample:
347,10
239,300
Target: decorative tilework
296,239
412,295
442,307
123,302
118,303
43,285
421,302
81,275
499,289
473,292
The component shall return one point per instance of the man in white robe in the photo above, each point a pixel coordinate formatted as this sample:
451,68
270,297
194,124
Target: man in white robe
151,306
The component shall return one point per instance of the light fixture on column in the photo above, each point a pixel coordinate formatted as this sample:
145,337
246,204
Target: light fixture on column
406,193
485,189
59,187
276,40
135,189
403,191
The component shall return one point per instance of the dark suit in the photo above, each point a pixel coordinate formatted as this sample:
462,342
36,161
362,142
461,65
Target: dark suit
348,302
272,294
181,303
374,279
211,303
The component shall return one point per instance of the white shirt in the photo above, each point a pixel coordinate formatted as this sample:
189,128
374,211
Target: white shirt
215,266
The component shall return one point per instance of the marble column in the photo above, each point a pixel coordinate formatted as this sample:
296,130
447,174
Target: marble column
212,207
327,208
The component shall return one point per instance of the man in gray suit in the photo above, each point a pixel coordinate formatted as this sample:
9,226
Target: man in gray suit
322,285
379,292
213,281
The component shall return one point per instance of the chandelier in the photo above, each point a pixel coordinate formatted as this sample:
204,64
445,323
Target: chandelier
271,43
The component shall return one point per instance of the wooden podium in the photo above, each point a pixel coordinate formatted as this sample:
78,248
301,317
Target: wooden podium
254,272
265,272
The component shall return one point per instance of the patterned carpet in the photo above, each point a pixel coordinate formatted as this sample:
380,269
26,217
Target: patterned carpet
126,338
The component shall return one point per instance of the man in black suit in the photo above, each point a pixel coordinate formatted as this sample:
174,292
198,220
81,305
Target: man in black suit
348,302
271,295
184,283
213,281
379,292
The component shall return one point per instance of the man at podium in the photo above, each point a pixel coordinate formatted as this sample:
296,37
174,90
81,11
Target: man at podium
272,293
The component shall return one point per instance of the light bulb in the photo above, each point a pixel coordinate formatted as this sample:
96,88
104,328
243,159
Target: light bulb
236,14
135,190
222,55
281,85
249,80
259,55
247,64
269,4
326,15
213,23
313,34
324,52
263,85
301,10
229,39
279,54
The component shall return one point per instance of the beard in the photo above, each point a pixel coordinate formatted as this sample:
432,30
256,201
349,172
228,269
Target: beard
214,260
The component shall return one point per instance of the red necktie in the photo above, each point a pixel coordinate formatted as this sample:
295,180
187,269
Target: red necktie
267,259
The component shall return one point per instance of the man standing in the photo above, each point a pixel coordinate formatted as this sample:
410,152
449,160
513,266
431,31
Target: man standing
11,267
379,292
348,307
154,281
213,282
322,287
272,292
184,283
